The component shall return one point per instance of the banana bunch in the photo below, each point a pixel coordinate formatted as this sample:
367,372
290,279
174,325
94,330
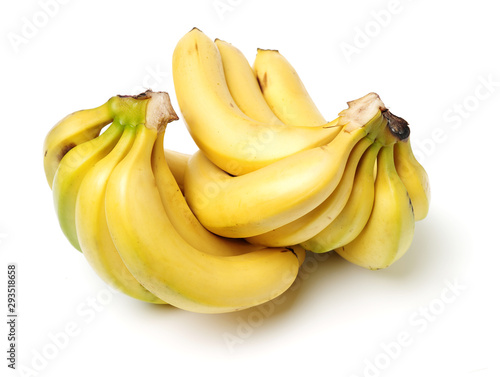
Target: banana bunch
228,227
272,170
119,202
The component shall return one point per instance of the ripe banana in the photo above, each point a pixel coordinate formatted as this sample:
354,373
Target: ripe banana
316,220
355,214
70,173
409,169
263,200
92,229
72,130
230,139
164,262
211,232
80,159
284,91
177,163
390,228
243,85
79,127
414,177
181,216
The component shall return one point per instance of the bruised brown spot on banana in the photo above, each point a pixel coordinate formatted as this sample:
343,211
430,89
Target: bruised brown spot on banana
64,150
263,82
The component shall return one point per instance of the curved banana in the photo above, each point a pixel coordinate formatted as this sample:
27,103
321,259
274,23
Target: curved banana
181,216
312,223
390,228
82,126
74,129
243,85
177,163
414,177
355,214
165,263
92,229
263,200
70,173
284,91
230,139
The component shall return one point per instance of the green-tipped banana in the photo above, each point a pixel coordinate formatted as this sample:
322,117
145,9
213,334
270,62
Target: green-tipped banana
92,228
80,159
70,173
389,231
414,177
313,222
73,130
355,214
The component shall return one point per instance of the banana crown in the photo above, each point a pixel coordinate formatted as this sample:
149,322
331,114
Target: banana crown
153,109
361,111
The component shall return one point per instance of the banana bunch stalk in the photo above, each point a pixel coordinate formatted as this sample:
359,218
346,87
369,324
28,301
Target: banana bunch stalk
228,227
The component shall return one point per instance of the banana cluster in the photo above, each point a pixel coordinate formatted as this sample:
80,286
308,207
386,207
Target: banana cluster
227,228
118,200
272,170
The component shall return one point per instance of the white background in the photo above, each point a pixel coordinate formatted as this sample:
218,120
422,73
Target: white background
435,63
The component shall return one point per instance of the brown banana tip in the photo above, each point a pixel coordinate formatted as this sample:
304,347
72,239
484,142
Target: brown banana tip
397,125
267,50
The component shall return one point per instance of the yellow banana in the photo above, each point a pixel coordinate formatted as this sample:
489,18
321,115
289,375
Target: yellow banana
243,85
410,171
70,173
79,127
92,229
164,262
263,200
414,177
181,216
316,220
230,139
177,163
74,129
390,228
80,159
284,91
355,214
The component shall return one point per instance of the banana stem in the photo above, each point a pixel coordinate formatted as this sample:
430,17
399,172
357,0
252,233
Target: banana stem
153,109
159,111
397,126
361,111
